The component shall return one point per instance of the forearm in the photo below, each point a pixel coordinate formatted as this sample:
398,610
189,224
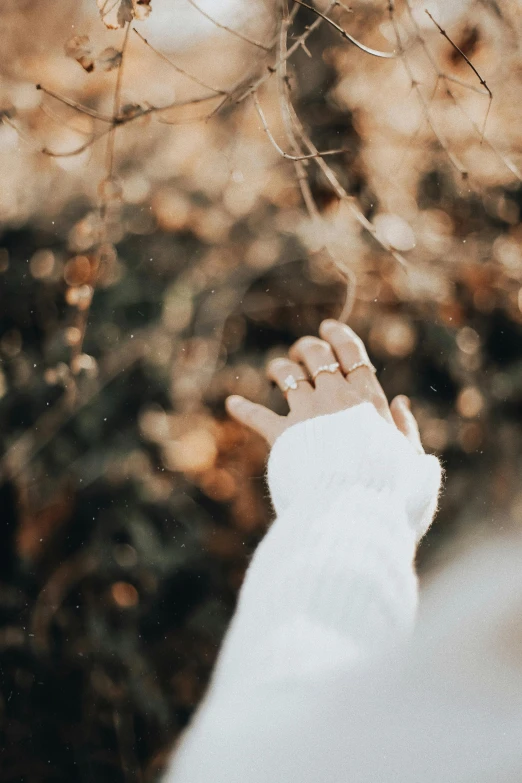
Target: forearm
343,575
332,581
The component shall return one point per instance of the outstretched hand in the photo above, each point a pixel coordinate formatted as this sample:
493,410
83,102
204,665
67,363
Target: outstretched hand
320,376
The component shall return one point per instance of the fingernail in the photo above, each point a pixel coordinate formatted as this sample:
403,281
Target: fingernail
329,323
405,401
234,401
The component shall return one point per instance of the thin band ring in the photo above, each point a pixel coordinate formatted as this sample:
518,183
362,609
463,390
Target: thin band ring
363,363
290,383
326,368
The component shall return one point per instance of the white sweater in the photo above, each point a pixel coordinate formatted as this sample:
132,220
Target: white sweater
318,680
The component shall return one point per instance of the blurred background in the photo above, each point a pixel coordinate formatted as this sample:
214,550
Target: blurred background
166,227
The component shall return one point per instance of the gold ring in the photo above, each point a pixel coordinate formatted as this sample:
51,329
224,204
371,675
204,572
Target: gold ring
290,382
363,363
326,368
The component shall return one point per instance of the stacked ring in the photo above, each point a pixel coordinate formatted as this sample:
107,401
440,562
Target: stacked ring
326,368
290,382
363,363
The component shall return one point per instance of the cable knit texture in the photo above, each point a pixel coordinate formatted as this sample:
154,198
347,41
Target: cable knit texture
356,446
332,583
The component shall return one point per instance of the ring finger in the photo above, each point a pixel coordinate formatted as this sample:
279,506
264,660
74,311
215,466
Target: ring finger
355,364
318,358
351,353
291,378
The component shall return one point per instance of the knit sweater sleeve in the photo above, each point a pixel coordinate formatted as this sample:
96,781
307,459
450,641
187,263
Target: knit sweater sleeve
333,580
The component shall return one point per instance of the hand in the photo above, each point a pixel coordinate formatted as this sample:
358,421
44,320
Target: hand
330,392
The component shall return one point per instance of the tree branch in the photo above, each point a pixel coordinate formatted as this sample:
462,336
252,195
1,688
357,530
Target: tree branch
179,69
345,35
229,29
276,145
468,61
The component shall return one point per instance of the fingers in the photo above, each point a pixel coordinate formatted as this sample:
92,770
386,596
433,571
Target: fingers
350,350
314,354
291,379
405,421
258,418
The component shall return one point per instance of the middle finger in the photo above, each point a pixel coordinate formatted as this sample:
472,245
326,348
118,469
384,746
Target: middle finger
319,359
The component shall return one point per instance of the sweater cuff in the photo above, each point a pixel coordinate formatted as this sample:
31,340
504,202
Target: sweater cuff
315,459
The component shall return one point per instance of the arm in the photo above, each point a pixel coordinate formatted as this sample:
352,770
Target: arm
331,583
334,576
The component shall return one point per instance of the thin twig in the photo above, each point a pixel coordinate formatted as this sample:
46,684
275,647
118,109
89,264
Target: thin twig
78,150
341,193
468,61
122,119
276,145
178,68
82,316
116,104
347,36
75,105
187,121
55,117
455,161
244,38
301,171
448,77
298,43
283,89
445,77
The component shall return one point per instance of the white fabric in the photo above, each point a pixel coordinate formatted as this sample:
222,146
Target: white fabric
318,678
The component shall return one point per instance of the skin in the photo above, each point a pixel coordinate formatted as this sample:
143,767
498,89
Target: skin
330,392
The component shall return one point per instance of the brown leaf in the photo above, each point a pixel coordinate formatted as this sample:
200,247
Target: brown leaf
141,9
109,59
118,13
79,48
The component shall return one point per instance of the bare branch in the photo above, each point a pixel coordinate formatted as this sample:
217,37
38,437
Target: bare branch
186,121
459,50
55,117
449,78
229,29
345,35
118,120
116,108
284,99
455,161
298,43
468,61
301,168
77,150
179,69
340,192
276,145
445,77
75,105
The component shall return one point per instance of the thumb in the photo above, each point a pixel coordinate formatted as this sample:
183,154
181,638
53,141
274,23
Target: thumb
256,417
405,421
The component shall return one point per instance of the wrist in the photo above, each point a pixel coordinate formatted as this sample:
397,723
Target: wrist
313,460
